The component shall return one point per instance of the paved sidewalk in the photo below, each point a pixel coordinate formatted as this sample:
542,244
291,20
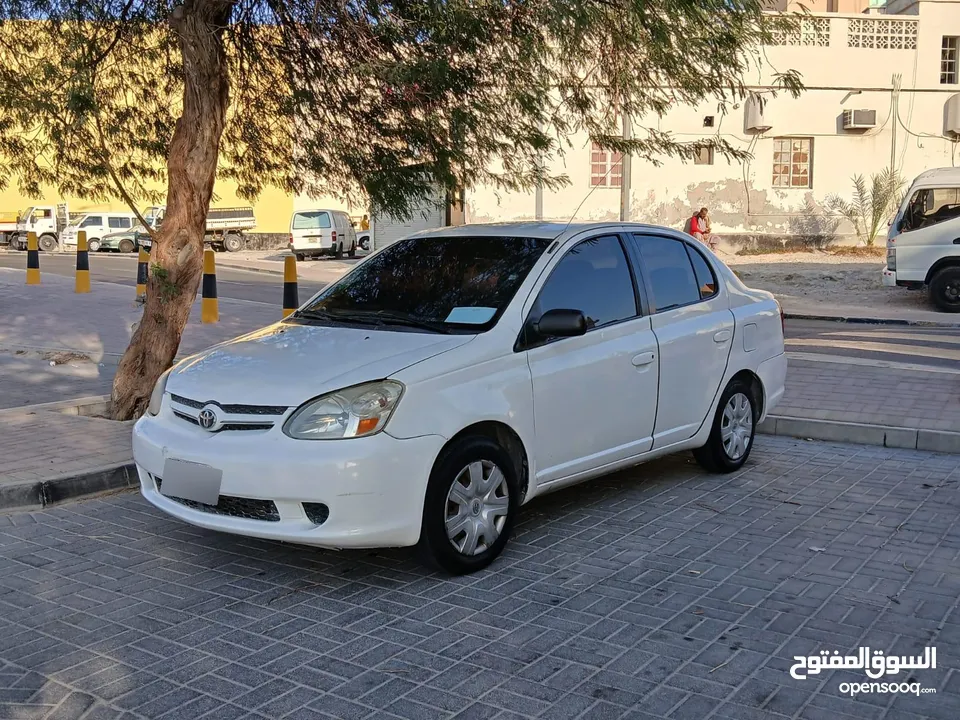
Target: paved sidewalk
660,592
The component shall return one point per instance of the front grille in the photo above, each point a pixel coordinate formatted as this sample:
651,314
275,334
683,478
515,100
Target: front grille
248,508
316,513
231,409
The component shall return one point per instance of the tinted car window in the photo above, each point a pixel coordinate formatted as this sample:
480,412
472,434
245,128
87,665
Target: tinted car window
119,223
673,282
595,279
706,280
92,220
453,283
311,220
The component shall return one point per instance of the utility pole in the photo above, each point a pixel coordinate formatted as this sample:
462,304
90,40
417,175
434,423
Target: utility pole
625,170
895,117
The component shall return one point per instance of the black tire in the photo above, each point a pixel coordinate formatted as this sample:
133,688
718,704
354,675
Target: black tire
353,251
435,547
338,253
945,289
715,456
300,257
126,246
47,243
233,243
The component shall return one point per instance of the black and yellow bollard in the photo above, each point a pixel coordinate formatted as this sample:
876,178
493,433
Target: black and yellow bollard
33,260
209,308
143,272
83,264
291,296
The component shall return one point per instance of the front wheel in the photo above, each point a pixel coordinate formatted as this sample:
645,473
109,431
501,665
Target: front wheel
734,427
47,243
470,505
945,289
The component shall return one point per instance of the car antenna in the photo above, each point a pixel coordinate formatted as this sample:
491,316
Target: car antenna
587,196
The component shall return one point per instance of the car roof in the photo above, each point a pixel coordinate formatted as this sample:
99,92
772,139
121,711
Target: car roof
949,176
536,229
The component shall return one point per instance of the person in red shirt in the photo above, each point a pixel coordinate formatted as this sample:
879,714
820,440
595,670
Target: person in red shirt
699,227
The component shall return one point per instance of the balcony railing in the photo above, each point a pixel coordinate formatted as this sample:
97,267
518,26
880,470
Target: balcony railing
871,33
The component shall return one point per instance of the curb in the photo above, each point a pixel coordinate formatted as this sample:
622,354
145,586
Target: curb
939,441
44,493
84,406
871,321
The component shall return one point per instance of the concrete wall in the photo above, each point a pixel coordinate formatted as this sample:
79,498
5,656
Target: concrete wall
741,196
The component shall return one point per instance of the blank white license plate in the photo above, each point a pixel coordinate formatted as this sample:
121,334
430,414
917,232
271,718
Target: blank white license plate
191,481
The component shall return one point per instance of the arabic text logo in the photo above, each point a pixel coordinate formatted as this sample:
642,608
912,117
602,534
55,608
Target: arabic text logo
874,664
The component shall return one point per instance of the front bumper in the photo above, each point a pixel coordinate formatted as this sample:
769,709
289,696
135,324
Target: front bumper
888,277
373,487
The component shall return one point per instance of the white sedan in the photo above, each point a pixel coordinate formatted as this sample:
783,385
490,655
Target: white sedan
455,375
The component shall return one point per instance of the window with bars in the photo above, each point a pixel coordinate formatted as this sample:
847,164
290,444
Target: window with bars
606,168
792,162
948,60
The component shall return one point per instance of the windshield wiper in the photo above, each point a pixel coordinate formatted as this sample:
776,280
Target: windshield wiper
402,319
342,317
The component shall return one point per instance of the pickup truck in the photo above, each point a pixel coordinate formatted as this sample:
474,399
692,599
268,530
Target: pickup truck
923,243
225,226
8,227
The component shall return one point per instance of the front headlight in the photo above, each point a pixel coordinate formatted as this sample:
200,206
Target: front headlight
356,411
156,398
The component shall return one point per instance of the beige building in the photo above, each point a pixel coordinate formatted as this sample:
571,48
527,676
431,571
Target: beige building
876,90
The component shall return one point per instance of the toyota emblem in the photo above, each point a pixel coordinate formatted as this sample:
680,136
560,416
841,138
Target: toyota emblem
207,419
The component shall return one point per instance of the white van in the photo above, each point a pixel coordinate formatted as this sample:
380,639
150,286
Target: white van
322,232
923,243
96,225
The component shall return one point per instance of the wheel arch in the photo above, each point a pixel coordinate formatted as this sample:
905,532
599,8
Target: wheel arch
952,261
507,438
756,384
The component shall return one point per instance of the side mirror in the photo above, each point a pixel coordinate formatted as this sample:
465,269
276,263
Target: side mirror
560,323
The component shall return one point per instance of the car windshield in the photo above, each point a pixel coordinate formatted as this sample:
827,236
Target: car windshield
311,220
445,284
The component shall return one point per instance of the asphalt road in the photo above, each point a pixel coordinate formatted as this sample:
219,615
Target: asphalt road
877,344
122,269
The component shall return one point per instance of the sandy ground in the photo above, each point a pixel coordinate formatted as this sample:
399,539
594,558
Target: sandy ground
824,278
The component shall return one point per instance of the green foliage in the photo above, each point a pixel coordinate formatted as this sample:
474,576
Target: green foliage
354,97
870,207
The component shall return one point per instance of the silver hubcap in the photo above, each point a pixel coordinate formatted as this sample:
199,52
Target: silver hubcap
736,426
477,507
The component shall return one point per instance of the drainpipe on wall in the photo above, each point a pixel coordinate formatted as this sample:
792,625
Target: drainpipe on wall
625,171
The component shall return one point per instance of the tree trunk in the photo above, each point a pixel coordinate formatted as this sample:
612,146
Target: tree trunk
176,258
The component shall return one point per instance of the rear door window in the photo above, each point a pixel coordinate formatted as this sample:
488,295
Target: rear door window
673,281
311,220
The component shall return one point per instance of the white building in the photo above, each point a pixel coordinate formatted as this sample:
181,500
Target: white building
848,62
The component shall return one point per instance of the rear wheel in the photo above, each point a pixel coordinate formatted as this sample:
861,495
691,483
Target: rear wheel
945,289
300,257
353,251
734,427
470,505
126,246
338,252
233,243
47,243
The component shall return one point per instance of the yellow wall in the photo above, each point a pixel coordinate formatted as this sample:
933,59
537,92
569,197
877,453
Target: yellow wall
272,209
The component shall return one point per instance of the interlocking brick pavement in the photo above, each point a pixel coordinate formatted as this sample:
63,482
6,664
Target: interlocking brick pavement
660,592
872,395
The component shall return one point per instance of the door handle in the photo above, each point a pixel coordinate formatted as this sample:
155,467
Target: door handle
643,359
722,336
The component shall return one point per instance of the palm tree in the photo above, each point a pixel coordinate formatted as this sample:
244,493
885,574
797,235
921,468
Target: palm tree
870,208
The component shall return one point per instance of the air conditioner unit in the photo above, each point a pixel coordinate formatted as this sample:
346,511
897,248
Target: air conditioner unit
859,119
951,117
754,119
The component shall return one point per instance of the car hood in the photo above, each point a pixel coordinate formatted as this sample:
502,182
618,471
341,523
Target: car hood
287,364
